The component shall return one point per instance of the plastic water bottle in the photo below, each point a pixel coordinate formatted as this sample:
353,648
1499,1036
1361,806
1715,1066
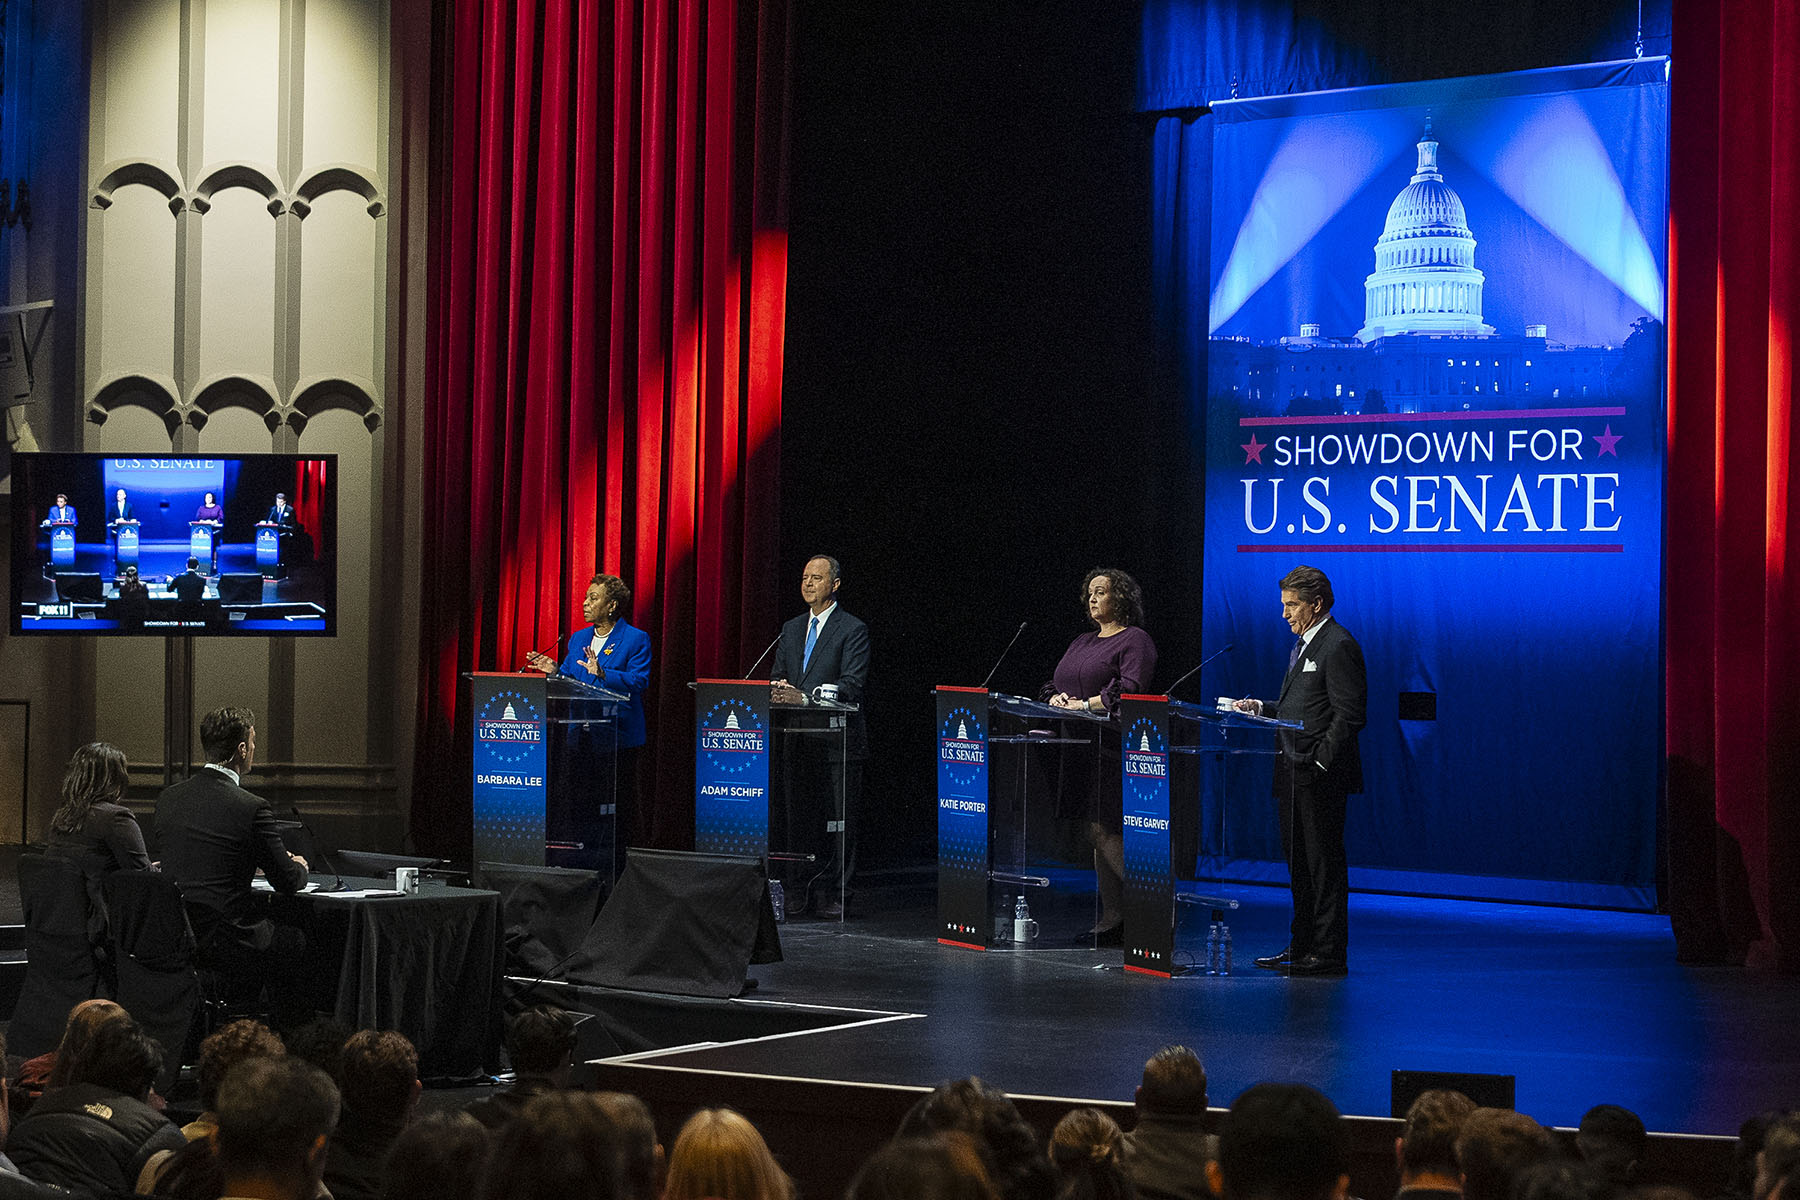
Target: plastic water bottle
778,900
1212,946
1224,949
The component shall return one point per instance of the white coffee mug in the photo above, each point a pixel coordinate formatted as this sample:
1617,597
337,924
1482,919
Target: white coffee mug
406,880
827,692
1024,930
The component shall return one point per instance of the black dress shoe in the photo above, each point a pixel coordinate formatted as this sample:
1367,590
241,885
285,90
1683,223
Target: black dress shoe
829,909
1277,960
1312,964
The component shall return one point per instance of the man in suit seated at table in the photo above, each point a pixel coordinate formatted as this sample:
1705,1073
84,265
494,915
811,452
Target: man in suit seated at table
189,588
214,836
822,647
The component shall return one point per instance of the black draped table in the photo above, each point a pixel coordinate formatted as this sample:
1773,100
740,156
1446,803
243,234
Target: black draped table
427,965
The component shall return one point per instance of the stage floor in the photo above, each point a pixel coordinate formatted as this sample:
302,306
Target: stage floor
1584,1007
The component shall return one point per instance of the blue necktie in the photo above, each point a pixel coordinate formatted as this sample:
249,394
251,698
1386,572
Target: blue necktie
812,636
1294,654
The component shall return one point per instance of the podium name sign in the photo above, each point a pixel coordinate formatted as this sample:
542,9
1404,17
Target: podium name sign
731,767
1149,880
962,803
511,762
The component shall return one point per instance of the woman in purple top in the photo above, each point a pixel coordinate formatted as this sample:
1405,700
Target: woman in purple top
1116,657
210,511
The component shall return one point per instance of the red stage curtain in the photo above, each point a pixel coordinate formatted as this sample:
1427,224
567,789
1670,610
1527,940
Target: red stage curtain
1733,622
608,284
308,498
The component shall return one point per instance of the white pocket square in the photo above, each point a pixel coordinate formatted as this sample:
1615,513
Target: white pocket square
1309,665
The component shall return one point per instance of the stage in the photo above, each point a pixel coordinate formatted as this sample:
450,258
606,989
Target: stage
1584,1007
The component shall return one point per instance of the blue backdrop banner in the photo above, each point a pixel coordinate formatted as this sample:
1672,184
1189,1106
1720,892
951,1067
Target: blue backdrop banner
1434,369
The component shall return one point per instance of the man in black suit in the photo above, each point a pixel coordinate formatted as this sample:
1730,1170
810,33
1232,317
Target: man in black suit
189,586
822,647
1318,768
281,512
213,836
121,509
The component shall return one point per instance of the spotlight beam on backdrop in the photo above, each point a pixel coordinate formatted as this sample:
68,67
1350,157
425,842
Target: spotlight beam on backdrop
1555,166
1319,166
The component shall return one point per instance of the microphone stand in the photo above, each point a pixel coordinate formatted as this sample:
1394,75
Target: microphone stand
1003,654
1170,690
320,851
763,655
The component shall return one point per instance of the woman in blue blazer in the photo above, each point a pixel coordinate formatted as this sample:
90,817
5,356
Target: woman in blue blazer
614,654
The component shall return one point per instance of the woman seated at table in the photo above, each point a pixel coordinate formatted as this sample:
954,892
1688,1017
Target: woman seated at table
93,829
613,654
1114,658
210,511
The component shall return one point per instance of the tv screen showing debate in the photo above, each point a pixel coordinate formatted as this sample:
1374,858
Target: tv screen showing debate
234,545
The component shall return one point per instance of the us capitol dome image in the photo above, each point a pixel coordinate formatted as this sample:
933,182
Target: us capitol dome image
1423,346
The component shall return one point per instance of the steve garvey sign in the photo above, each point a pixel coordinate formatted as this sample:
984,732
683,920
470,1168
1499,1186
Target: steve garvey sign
1516,478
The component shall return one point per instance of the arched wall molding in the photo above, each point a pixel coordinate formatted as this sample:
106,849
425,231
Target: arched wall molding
255,176
340,177
321,393
231,389
136,389
159,176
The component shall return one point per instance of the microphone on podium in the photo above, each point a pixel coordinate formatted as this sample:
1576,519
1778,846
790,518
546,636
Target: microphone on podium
763,655
549,654
1170,690
1004,653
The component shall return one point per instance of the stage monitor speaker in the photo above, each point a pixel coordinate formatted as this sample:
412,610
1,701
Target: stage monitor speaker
1487,1091
79,585
240,589
545,913
685,924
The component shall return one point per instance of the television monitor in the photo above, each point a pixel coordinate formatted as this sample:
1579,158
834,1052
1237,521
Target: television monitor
87,560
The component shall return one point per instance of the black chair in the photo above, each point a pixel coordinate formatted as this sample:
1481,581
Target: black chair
154,955
62,966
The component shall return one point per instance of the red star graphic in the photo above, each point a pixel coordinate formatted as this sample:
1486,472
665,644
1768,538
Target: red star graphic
1609,442
1253,450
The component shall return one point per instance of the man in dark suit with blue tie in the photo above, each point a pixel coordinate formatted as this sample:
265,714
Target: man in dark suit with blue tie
281,512
121,509
1319,767
823,647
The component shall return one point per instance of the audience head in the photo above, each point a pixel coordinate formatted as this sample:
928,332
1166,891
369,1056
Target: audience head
228,733
1495,1147
440,1156
274,1117
561,1146
240,1041
191,1173
1779,1160
83,1020
943,1166
321,1043
1282,1141
640,1154
540,1040
1174,1084
1612,1140
1749,1148
96,774
193,564
718,1155
1426,1146
1009,1149
1562,1179
380,1082
118,1056
1088,1150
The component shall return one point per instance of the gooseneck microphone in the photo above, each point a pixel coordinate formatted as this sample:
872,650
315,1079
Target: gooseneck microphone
318,849
763,655
1170,690
1004,653
549,654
